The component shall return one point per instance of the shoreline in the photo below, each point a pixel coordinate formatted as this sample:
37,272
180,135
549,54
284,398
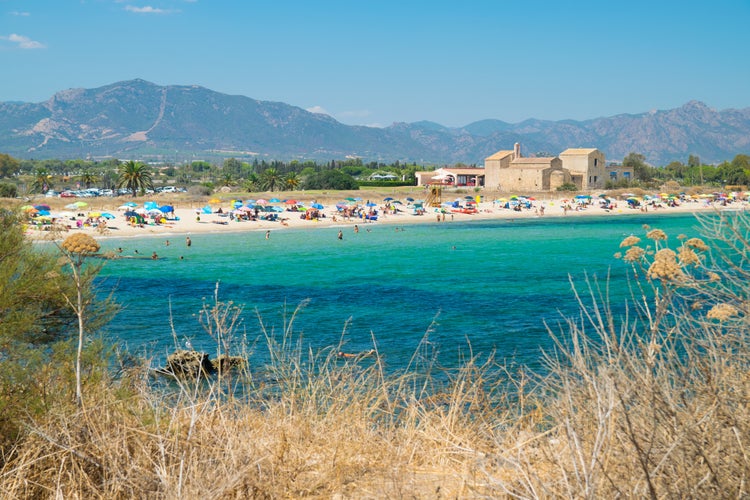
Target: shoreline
186,222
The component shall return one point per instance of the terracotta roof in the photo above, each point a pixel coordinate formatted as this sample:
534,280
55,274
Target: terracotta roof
578,151
499,155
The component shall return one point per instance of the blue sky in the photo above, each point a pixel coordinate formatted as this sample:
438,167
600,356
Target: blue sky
381,61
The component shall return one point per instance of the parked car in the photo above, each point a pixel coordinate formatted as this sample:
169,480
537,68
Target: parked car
67,194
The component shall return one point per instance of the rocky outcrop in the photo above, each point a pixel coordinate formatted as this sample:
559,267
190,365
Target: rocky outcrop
194,364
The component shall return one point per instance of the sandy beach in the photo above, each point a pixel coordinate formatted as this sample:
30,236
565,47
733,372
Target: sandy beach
190,217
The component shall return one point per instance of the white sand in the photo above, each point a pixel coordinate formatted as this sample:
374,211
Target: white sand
188,222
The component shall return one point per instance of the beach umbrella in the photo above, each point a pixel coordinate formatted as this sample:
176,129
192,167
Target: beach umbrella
43,212
350,199
396,202
27,207
150,205
387,199
130,213
274,200
409,198
318,206
468,197
80,204
167,209
237,203
141,211
95,214
42,207
371,204
131,204
277,209
108,215
261,202
291,202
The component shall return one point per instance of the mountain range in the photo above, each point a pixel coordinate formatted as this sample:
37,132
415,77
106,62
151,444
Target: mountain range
137,119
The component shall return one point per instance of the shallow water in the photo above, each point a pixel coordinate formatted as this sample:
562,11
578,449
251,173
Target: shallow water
478,286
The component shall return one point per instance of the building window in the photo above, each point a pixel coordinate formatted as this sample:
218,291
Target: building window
613,175
626,175
594,178
596,162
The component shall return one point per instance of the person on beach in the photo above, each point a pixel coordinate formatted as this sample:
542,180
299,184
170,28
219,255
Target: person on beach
154,256
341,235
188,241
268,235
356,228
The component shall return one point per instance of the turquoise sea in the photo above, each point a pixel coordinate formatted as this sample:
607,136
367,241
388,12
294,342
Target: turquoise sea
482,286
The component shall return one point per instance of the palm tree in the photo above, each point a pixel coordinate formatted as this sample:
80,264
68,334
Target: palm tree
134,176
292,181
42,181
270,179
227,179
87,178
251,183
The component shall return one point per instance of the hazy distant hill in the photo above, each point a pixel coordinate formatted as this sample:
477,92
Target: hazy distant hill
138,119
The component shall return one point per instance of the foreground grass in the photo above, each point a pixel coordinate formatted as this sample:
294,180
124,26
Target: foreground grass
652,404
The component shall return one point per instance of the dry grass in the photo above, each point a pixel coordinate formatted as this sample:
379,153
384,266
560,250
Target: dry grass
653,404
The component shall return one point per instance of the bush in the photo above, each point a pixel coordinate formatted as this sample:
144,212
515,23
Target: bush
200,190
8,190
568,186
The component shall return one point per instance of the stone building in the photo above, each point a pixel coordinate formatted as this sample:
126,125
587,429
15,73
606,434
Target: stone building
586,167
508,170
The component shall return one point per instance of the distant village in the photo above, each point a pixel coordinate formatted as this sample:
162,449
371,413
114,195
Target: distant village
580,169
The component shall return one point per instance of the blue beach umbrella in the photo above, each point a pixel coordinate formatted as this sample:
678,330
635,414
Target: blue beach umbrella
108,215
166,209
274,200
317,205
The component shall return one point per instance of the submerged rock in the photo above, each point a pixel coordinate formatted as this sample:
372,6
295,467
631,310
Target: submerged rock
225,363
191,364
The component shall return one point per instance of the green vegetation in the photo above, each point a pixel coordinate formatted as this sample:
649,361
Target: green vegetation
135,177
38,176
36,329
653,404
